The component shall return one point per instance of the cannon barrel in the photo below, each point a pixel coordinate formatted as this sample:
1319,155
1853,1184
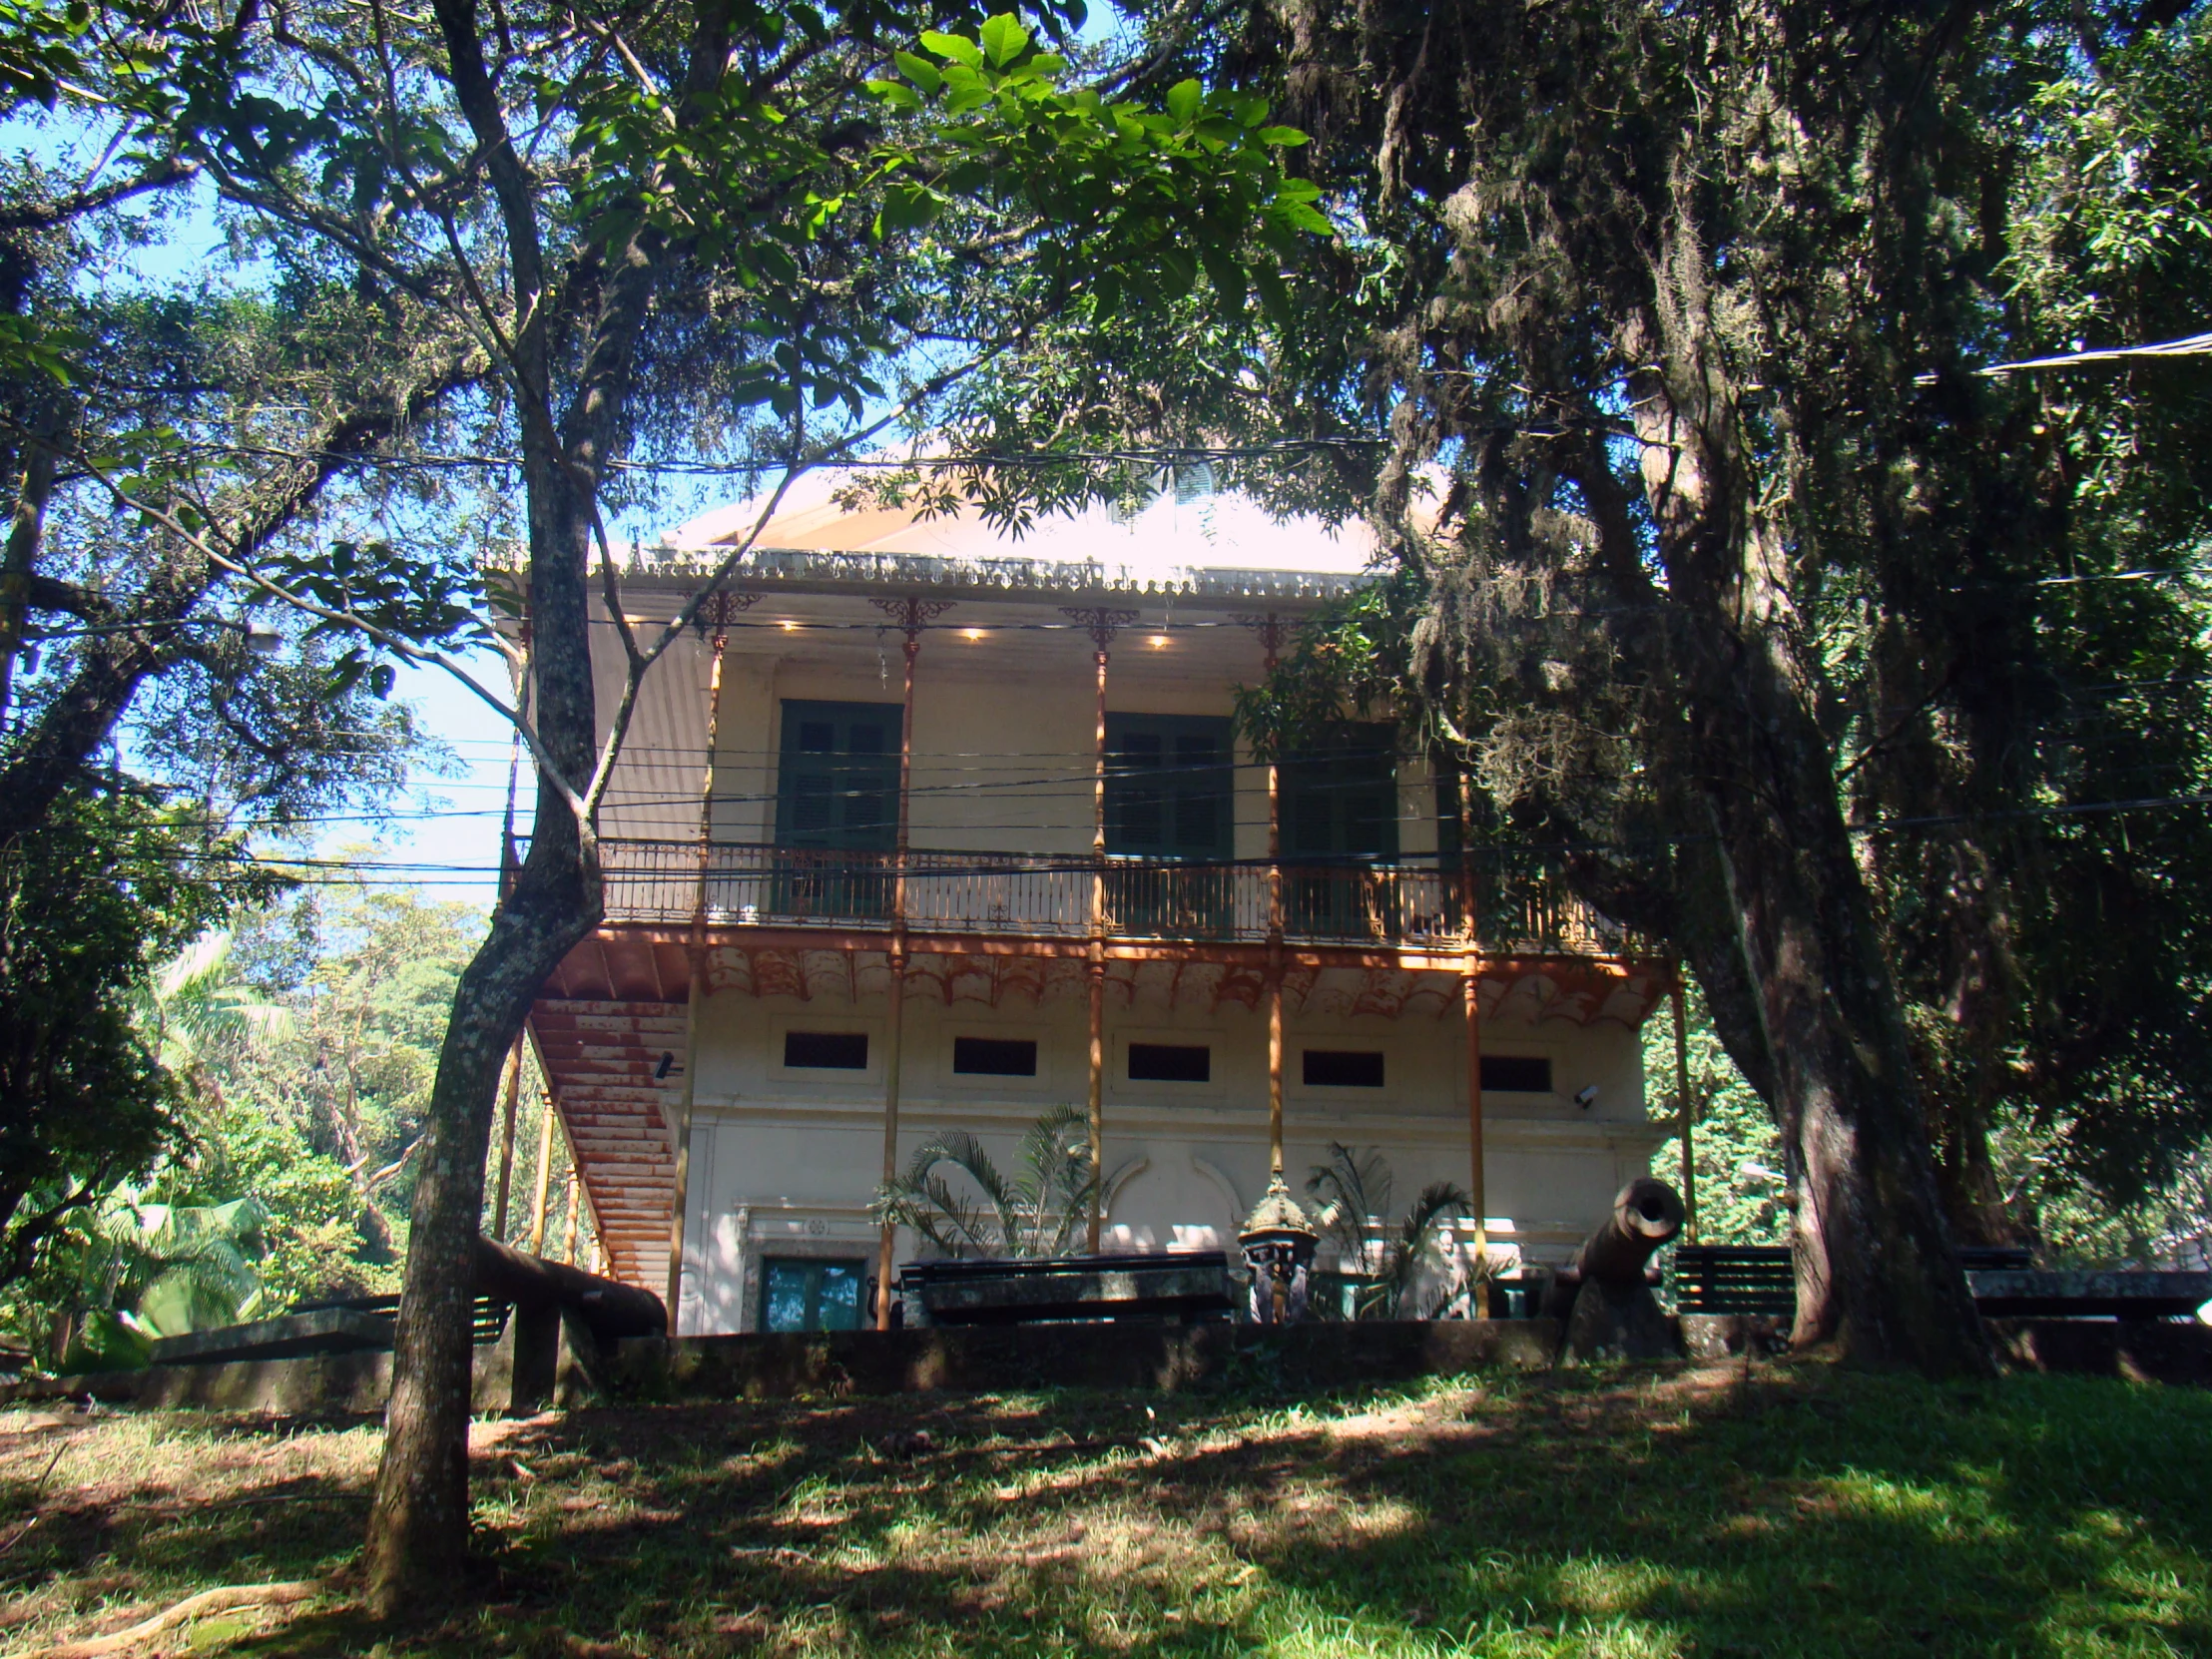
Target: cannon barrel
612,1308
1647,1212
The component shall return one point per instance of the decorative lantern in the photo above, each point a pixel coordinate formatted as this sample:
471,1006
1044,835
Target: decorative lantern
1278,1243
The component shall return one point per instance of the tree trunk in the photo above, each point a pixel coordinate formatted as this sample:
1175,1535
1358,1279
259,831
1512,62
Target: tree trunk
418,1526
1877,1275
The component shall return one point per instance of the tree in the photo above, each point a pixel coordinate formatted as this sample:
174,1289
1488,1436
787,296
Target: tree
643,223
90,906
1743,1188
1649,341
337,1086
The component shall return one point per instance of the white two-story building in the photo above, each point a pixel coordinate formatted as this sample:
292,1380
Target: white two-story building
905,742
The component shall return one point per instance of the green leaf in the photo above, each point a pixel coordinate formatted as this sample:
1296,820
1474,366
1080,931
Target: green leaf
897,94
1184,99
1275,297
954,47
1005,39
907,207
919,70
1281,138
1225,273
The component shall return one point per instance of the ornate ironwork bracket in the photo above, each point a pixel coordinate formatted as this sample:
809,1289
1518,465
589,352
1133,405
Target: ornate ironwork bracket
912,615
1098,622
1273,632
720,609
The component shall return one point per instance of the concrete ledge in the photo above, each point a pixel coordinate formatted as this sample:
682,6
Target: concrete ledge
316,1385
1001,1359
561,1364
321,1331
1722,1336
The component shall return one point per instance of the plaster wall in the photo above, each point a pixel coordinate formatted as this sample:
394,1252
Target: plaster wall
785,1160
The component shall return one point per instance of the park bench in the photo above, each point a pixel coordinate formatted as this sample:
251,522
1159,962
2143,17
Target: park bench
1759,1278
1177,1286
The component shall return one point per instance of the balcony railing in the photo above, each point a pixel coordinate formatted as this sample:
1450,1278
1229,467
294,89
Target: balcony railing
1352,902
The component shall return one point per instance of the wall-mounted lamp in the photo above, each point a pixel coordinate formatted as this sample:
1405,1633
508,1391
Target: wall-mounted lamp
1586,1097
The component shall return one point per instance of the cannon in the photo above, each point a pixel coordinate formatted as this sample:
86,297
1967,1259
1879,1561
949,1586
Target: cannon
1605,1297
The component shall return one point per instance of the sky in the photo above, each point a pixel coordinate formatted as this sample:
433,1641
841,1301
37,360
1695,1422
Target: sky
444,834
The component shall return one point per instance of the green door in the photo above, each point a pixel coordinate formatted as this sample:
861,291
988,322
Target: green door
837,809
1170,798
1340,820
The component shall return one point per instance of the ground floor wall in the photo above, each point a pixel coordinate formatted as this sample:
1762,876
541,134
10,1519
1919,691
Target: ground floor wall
785,1158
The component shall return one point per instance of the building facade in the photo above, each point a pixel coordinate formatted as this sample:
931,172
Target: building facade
929,829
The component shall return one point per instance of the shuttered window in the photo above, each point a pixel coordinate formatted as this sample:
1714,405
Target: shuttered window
838,776
1169,787
1340,795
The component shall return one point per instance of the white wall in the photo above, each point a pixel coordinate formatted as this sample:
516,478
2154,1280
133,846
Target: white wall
785,1162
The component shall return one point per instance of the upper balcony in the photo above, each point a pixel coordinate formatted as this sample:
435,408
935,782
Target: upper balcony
1361,904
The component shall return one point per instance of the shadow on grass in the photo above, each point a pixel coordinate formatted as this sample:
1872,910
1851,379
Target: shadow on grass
1793,1510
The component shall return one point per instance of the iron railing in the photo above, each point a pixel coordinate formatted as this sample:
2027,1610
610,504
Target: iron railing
1522,912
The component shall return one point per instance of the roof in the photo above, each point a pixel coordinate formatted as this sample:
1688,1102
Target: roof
1215,543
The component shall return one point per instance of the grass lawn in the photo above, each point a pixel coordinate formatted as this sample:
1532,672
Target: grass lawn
1789,1509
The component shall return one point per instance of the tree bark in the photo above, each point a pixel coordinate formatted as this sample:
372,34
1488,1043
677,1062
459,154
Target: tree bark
1878,1278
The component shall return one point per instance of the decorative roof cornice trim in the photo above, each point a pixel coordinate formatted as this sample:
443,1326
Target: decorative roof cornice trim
800,567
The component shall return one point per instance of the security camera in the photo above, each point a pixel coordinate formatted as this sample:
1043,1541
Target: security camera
1587,1097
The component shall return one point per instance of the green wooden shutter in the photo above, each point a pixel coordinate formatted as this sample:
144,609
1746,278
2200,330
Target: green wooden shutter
1170,798
1170,789
838,776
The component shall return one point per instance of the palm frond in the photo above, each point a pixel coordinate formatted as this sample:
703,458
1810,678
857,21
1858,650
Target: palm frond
966,1153
1353,1188
931,1209
1060,1178
1415,1244
1033,1215
196,1003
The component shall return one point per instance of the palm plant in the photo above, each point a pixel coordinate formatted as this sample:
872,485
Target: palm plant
1037,1212
140,1270
1354,1190
194,1004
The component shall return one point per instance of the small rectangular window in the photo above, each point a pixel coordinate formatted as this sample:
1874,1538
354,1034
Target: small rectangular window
1515,1074
1170,1063
994,1057
825,1050
1344,1068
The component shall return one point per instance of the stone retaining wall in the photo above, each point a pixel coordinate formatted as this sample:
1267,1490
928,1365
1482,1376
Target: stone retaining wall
981,1360
992,1360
